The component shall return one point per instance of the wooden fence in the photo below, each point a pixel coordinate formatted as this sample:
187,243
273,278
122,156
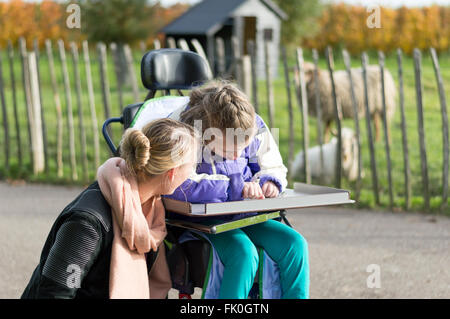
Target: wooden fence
49,135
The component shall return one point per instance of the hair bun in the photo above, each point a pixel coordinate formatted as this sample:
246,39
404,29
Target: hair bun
135,149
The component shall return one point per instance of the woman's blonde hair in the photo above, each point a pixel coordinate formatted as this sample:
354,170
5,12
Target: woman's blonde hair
161,145
219,104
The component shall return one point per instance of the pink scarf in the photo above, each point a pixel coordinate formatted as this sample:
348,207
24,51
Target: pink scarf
137,230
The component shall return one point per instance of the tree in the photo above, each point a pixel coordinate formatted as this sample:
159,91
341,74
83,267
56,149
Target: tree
119,21
301,21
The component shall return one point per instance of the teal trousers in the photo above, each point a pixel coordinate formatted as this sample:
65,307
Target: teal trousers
239,256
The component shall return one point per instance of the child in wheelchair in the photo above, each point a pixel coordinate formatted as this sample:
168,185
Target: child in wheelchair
240,159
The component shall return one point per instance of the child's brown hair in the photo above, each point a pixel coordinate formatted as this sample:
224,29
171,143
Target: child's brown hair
219,104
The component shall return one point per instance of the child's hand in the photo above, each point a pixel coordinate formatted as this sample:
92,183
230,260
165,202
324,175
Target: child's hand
252,190
269,189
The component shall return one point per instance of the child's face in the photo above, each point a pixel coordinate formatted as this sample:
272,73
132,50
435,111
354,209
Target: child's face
230,148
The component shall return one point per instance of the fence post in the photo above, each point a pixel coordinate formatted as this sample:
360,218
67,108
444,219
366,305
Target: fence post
117,71
14,98
315,56
291,115
44,125
347,63
76,72
73,161
423,151
302,99
183,45
26,90
211,59
220,51
156,44
129,59
247,75
445,140
338,116
171,43
252,51
142,46
373,165
237,59
407,170
101,49
387,136
90,87
37,140
199,49
5,117
270,98
59,117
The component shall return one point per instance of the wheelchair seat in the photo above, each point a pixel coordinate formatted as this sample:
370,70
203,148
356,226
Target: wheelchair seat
173,69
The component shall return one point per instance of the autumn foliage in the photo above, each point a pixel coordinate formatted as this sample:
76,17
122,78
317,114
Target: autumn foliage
47,20
34,21
346,26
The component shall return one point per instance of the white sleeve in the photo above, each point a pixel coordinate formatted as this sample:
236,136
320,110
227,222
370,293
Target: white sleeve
269,160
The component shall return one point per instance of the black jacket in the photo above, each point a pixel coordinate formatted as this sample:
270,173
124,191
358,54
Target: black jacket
76,256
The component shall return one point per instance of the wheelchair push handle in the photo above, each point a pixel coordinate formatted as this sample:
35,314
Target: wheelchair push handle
106,133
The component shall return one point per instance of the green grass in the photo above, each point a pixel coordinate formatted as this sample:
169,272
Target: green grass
433,127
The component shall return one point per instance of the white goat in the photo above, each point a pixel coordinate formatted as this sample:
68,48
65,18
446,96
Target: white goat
349,159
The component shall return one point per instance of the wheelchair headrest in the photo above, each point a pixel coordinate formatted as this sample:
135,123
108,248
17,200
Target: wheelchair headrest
171,69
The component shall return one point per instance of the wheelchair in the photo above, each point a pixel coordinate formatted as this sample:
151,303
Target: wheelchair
168,70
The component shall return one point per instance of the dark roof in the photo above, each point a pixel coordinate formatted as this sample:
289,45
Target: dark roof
272,6
208,15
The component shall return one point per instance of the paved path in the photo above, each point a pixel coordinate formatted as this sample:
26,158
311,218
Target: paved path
411,251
